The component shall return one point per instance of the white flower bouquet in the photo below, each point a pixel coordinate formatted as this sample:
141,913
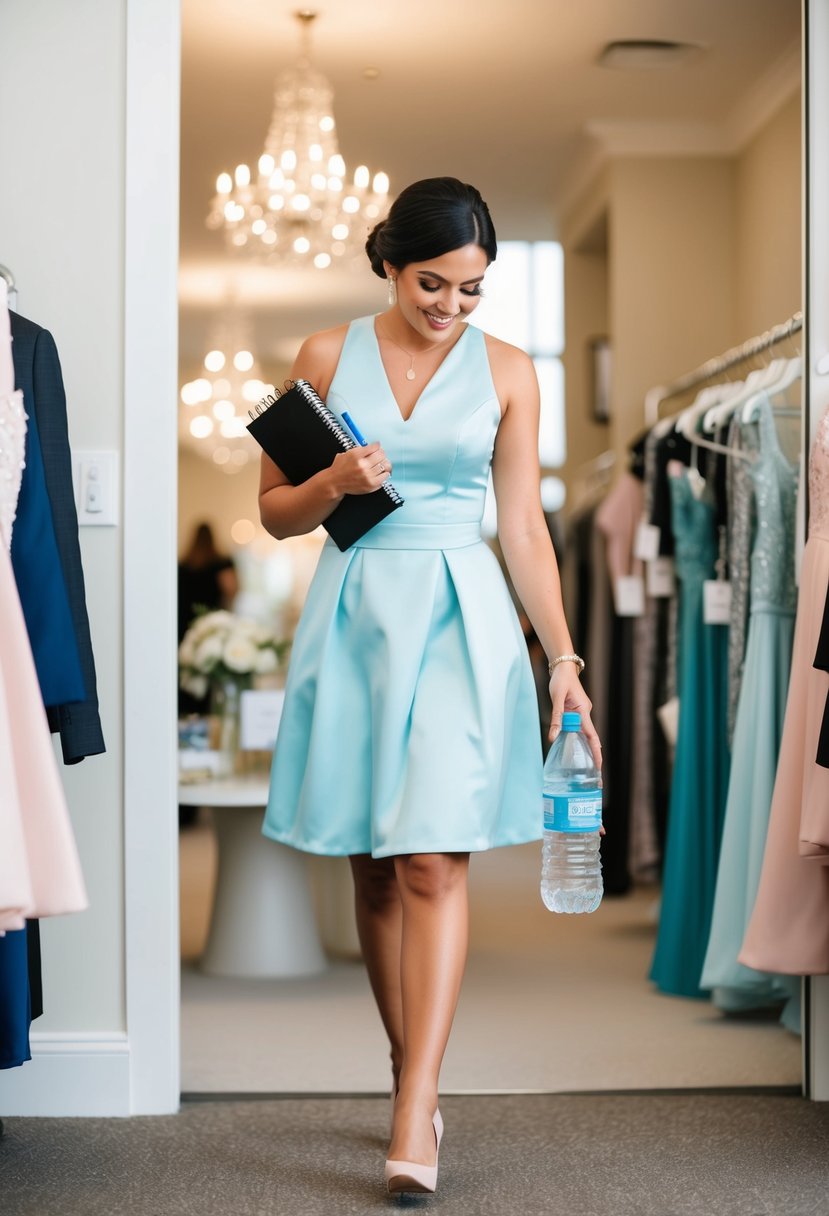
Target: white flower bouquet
220,647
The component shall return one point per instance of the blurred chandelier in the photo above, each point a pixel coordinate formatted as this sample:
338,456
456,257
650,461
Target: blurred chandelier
214,406
300,209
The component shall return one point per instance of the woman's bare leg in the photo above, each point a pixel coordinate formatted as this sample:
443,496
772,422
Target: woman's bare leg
379,927
433,892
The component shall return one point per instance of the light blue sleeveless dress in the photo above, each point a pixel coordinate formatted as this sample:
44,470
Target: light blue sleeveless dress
757,732
410,722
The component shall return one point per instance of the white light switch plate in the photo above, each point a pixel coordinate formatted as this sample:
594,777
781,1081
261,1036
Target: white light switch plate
95,479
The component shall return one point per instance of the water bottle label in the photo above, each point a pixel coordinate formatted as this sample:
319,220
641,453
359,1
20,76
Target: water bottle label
573,812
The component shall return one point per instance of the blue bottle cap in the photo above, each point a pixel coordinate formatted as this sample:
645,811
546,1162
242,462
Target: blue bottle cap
571,722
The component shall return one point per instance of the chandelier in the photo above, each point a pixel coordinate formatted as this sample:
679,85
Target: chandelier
300,208
213,409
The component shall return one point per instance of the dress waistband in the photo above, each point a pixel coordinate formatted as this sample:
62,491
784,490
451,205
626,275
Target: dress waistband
390,535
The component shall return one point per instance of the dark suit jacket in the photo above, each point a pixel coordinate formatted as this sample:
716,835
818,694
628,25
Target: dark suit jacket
37,373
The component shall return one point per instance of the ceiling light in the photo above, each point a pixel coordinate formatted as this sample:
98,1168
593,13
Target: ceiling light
645,54
234,384
301,159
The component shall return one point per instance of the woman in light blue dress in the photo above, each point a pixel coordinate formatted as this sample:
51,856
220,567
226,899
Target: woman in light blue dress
409,736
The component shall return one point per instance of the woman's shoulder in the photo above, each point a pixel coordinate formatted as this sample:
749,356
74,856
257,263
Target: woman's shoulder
512,368
325,343
318,357
505,354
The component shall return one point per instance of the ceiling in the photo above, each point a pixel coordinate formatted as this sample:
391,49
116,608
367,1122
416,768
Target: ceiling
506,95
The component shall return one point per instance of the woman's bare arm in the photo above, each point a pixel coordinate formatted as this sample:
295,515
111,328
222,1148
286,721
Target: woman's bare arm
289,510
522,529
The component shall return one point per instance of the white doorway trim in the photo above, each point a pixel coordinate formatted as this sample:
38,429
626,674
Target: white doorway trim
150,507
816,261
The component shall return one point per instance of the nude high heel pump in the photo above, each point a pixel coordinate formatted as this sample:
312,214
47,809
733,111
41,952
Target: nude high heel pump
412,1177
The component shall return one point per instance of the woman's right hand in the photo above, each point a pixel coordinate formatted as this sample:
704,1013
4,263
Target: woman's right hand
360,470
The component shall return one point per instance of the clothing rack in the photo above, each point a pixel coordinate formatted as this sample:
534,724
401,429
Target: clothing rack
6,274
713,369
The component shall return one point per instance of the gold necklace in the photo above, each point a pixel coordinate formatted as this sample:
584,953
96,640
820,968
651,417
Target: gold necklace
411,373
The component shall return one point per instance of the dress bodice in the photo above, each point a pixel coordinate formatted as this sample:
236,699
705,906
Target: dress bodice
442,453
819,481
775,496
693,528
12,448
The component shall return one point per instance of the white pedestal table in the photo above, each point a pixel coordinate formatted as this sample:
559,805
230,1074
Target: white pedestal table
263,924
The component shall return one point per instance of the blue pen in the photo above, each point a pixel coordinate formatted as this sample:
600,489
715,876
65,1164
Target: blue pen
355,430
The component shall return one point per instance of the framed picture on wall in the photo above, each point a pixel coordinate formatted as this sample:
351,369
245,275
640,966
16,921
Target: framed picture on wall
599,352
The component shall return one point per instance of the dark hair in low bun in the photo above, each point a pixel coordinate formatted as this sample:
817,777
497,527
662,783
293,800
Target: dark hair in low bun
430,218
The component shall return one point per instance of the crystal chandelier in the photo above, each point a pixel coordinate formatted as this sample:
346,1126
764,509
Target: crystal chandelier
300,208
214,405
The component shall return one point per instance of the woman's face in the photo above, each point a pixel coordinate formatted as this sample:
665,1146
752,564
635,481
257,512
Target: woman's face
433,296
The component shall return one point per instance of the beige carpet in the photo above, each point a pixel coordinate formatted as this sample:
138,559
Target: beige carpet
550,1003
637,1155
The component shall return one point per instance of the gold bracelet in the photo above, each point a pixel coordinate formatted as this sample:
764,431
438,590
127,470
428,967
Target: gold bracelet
566,658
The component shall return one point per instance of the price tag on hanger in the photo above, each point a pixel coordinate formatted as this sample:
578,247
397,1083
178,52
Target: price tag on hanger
716,601
668,715
646,542
660,581
629,595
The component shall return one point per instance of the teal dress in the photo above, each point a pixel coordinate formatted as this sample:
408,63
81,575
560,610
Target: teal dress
410,722
700,776
757,732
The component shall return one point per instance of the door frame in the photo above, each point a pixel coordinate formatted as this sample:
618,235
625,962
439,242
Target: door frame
816,348
150,536
151,880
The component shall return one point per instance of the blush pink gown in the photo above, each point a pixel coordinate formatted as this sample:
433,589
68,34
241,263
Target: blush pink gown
40,874
789,927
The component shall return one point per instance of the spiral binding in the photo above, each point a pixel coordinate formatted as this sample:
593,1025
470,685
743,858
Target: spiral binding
310,395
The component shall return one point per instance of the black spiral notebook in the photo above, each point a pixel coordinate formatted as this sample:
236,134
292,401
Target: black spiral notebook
302,435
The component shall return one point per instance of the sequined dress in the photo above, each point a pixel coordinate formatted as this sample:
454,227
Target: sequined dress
789,927
758,727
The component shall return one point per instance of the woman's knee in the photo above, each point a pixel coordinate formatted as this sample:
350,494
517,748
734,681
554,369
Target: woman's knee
375,882
431,875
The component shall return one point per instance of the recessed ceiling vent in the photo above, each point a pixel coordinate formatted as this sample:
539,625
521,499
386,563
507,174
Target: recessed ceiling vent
645,54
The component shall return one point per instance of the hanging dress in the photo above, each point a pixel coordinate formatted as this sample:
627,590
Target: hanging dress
758,729
789,927
410,721
39,870
700,776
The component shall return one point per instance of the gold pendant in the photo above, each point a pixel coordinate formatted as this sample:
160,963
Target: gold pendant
410,374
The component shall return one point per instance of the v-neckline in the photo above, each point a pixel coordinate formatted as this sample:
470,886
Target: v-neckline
405,421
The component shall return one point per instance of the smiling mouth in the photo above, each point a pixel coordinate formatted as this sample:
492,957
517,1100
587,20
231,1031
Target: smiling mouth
440,320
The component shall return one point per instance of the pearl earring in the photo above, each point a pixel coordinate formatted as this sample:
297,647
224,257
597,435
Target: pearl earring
392,291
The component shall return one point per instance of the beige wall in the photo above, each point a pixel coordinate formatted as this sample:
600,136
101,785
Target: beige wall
672,298
702,253
768,224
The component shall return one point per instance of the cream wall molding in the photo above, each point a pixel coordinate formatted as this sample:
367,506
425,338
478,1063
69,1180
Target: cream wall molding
649,138
607,138
70,1074
772,91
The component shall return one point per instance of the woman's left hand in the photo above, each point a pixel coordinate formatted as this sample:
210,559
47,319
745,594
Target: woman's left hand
568,696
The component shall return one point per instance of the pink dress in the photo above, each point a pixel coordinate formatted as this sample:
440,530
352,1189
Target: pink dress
789,927
40,874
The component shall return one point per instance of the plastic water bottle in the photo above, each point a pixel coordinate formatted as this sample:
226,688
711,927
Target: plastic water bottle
571,871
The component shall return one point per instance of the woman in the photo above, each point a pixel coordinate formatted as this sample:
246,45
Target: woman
409,737
206,578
